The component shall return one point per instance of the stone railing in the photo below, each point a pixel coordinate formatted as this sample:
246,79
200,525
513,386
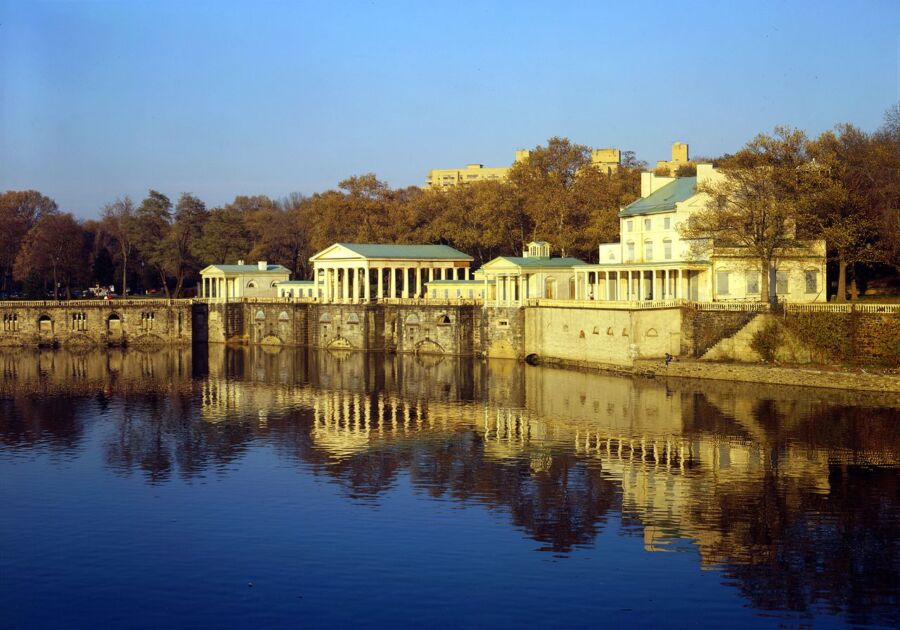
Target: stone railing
842,308
602,304
739,307
95,302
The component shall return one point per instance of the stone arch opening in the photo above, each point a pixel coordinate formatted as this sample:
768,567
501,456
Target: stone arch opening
260,315
283,316
443,319
412,320
251,284
45,324
353,318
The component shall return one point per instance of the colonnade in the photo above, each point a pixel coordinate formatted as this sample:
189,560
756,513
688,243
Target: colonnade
217,288
510,289
633,284
356,283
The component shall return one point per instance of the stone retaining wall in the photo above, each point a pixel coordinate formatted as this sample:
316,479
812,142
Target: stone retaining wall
96,323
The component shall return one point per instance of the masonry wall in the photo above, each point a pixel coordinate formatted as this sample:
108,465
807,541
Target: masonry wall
96,323
592,336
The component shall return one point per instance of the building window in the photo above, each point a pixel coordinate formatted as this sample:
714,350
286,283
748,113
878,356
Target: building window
722,282
781,282
648,224
667,248
251,285
812,281
648,250
79,321
667,223
10,322
629,225
471,293
753,282
630,251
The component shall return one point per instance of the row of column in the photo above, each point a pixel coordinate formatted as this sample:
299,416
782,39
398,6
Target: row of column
663,284
217,288
510,289
354,284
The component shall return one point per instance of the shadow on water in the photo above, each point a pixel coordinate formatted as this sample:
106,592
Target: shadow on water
793,495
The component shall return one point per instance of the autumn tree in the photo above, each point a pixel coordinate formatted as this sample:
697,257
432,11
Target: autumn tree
54,250
765,190
848,215
19,212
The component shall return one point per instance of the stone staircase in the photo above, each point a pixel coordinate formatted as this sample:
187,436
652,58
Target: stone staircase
736,347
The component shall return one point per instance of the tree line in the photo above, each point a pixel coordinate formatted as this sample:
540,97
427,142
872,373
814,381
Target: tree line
842,186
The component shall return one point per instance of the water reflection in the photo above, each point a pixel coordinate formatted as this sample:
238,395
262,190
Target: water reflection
792,494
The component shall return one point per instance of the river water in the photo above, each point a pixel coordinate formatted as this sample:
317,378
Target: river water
254,487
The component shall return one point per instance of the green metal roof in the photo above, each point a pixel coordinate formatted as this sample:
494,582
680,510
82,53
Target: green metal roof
427,252
663,199
283,282
249,269
544,263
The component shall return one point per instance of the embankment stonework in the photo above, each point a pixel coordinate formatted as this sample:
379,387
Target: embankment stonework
773,375
96,323
592,336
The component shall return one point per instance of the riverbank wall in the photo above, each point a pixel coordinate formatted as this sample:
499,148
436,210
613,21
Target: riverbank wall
142,322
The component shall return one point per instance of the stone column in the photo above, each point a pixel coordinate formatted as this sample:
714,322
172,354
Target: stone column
345,287
597,285
418,282
666,289
366,288
405,282
641,285
393,283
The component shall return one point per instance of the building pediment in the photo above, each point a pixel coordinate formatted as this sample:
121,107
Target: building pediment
336,252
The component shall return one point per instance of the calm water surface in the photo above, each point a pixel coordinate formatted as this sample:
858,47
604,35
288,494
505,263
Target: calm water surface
235,488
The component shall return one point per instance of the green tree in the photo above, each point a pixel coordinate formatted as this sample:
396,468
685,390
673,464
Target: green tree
151,235
185,232
224,237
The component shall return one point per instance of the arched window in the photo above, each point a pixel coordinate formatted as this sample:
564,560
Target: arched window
353,318
325,318
443,320
274,284
412,320
260,315
283,316
251,284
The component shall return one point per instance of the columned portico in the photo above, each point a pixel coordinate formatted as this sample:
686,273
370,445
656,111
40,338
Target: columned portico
400,270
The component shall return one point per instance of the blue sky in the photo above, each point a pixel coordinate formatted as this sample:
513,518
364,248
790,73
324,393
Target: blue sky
104,99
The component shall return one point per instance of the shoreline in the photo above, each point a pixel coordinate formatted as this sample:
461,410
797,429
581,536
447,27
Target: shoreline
793,376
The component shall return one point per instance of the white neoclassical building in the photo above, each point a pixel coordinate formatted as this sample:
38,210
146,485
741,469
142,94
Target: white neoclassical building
534,274
358,272
652,262
224,283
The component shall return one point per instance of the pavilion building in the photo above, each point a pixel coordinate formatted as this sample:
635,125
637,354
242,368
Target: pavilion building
535,274
224,283
361,272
